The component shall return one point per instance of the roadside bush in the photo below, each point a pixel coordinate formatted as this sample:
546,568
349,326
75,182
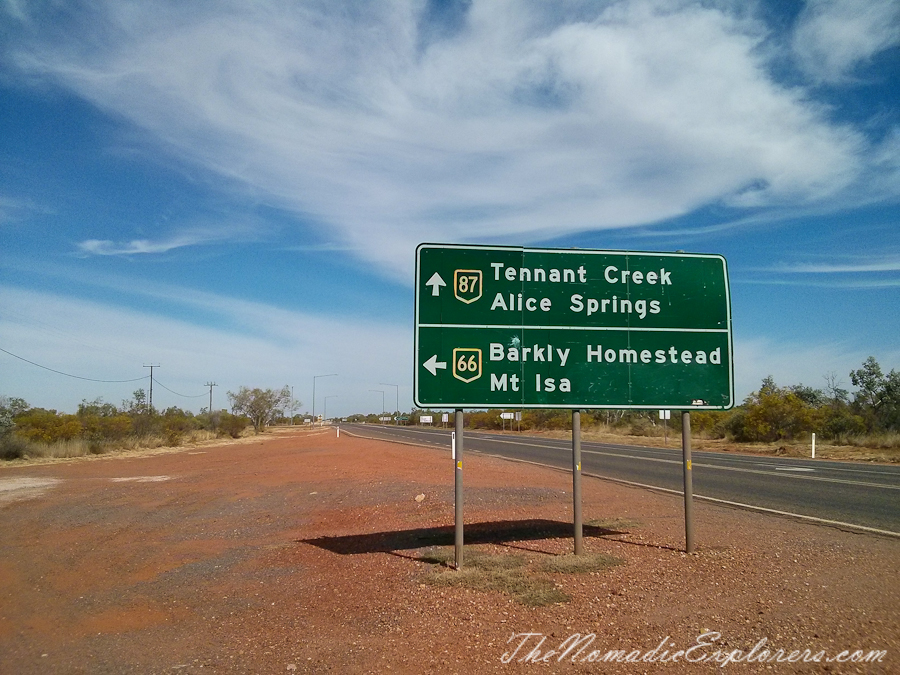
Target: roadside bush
840,423
233,425
547,419
96,429
710,423
643,426
13,447
47,426
773,415
175,423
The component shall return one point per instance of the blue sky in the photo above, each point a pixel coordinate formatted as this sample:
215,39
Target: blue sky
235,190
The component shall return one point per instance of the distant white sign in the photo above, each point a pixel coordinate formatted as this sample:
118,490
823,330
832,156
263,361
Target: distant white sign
425,419
507,416
665,414
385,419
445,418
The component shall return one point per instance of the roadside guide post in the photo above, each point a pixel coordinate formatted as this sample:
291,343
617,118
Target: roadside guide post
688,482
576,479
458,488
573,329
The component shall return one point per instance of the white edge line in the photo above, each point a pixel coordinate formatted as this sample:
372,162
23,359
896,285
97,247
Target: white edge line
740,505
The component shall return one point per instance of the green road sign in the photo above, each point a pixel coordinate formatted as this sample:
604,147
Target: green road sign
552,328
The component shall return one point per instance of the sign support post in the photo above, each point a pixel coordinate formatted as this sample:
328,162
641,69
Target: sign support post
571,329
688,482
458,488
576,480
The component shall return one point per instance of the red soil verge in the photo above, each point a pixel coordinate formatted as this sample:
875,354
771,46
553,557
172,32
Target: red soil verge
300,553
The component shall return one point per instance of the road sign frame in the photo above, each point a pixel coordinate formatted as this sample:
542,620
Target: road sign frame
692,312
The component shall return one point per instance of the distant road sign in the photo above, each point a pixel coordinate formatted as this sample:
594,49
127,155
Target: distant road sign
507,416
553,328
425,419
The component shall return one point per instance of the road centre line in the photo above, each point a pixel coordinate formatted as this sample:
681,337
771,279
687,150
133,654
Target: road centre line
711,466
762,509
741,505
557,444
563,445
751,507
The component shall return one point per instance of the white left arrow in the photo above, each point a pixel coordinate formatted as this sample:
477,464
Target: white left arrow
433,364
435,282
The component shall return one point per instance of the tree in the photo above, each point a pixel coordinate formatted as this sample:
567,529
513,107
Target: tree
878,395
136,405
773,413
260,405
9,409
97,407
13,406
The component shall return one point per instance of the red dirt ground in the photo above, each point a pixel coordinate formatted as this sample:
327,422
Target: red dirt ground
300,553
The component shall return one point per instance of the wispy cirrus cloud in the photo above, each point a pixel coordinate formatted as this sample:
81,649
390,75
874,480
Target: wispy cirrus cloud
192,236
850,272
136,246
390,125
271,347
854,266
833,37
13,209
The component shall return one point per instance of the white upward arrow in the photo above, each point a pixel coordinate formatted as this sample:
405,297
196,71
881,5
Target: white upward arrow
435,282
433,364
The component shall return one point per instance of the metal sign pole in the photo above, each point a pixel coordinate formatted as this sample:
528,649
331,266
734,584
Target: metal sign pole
576,480
459,487
688,482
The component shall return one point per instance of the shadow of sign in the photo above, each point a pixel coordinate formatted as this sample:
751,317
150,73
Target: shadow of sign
494,532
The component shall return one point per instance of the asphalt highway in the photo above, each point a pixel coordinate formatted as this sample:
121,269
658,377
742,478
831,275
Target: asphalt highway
863,495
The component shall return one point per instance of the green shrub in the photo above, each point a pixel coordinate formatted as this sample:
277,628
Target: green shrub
47,426
13,447
233,425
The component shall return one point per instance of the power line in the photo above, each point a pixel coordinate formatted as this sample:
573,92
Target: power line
175,392
213,384
59,372
151,367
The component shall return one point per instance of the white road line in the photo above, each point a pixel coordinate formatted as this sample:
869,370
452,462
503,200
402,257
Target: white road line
696,464
751,507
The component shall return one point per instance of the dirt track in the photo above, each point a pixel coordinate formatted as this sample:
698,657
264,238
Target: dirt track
300,554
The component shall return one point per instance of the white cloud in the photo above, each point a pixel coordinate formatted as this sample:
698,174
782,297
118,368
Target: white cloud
13,210
871,263
195,235
268,347
107,247
834,37
514,124
793,363
257,345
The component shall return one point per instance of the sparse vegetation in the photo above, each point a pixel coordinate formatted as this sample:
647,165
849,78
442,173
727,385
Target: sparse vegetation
868,418
579,564
261,406
512,573
99,427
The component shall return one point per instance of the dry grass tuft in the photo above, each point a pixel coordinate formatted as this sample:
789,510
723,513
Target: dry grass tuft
511,574
579,564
